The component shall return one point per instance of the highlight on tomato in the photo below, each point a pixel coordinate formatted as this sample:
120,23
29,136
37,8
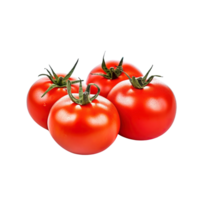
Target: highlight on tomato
147,108
46,91
83,124
109,74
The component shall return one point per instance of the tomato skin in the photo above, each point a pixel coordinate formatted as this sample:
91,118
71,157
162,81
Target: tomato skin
84,129
39,107
106,84
144,113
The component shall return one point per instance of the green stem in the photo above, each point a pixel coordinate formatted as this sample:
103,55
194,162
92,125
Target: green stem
58,81
84,97
141,82
111,73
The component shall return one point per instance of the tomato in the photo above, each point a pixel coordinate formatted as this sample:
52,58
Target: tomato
145,113
84,128
38,106
108,74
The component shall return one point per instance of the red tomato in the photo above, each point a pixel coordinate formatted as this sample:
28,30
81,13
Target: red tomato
84,129
107,84
144,113
38,108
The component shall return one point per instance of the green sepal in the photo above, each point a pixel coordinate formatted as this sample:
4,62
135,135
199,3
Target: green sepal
41,74
58,86
51,87
53,71
73,68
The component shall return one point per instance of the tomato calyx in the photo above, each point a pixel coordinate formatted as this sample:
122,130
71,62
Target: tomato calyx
111,73
141,82
58,82
84,97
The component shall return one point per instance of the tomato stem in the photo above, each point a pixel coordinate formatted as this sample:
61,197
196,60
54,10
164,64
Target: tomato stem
58,82
110,73
141,82
84,97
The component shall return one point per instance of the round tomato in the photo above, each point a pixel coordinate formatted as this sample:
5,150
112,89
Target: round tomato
147,109
45,92
84,128
108,74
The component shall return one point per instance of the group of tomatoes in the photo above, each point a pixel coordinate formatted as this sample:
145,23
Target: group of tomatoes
118,99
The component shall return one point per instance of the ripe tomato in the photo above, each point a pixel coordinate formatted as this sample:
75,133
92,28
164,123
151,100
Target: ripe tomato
145,113
108,74
38,106
83,128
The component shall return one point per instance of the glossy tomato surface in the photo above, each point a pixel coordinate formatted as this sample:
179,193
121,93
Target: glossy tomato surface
106,84
144,113
84,129
38,106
